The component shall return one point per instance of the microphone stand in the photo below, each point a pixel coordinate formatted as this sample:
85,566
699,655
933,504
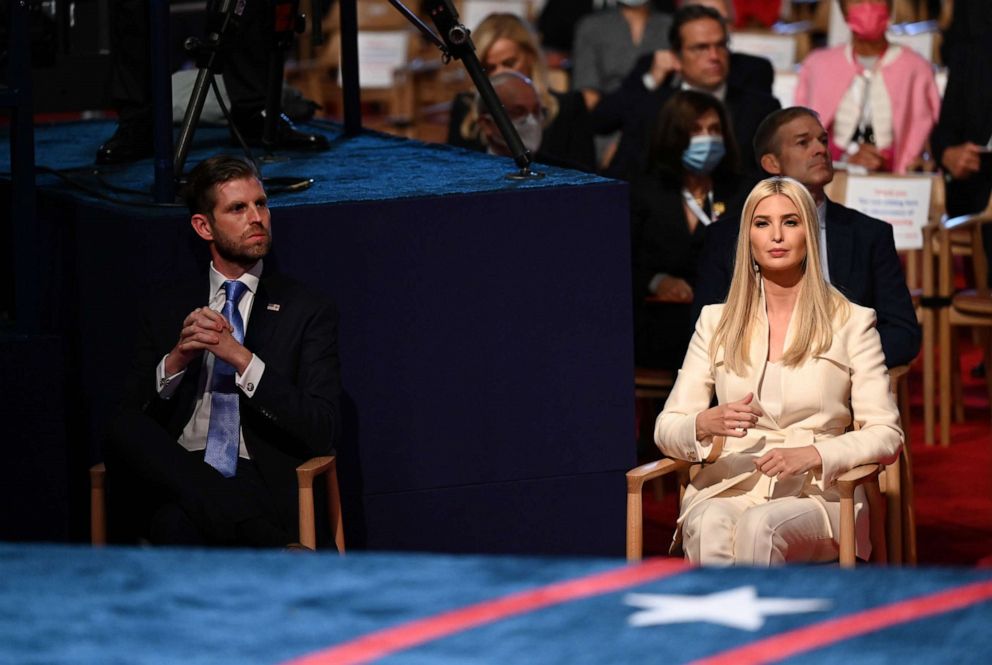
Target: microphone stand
228,12
455,43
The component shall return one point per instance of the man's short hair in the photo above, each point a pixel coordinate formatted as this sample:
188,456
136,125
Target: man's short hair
498,81
688,14
199,190
766,138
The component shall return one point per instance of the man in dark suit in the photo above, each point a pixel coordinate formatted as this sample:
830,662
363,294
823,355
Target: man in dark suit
700,61
861,260
234,383
962,138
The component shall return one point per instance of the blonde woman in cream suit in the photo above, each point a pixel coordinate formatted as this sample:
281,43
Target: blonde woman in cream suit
794,365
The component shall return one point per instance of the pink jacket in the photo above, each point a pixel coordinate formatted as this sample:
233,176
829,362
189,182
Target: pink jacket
826,75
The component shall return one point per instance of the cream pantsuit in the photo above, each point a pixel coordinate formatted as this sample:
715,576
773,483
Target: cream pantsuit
731,513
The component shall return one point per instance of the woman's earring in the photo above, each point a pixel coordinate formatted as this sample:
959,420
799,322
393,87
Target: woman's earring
755,266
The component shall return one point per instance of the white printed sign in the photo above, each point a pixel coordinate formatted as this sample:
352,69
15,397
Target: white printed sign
780,49
784,88
379,55
903,202
473,11
921,42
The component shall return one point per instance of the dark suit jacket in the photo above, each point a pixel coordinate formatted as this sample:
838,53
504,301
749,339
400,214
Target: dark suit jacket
966,115
634,110
662,244
293,414
864,266
746,71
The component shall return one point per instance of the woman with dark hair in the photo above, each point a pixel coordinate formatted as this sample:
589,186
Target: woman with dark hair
692,172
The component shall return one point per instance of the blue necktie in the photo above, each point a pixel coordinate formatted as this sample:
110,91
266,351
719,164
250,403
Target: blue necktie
224,433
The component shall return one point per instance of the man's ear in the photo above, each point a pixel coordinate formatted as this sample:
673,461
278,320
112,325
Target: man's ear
201,225
770,164
487,127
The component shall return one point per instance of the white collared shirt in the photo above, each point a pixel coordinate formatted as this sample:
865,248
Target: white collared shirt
194,436
821,213
720,93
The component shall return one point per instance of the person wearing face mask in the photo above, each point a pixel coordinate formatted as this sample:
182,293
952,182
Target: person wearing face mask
700,48
878,101
691,175
505,42
522,103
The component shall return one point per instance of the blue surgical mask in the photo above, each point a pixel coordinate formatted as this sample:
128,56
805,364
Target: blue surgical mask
703,154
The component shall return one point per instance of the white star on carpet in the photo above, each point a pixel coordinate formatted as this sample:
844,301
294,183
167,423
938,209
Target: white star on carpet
738,608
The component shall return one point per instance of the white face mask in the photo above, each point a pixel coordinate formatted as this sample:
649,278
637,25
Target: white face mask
530,131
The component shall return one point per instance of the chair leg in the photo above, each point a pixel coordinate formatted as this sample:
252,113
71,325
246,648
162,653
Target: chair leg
928,375
945,378
956,381
635,523
334,512
98,505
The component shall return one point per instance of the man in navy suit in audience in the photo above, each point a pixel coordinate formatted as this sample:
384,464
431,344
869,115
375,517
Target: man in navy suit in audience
700,60
233,384
746,71
861,260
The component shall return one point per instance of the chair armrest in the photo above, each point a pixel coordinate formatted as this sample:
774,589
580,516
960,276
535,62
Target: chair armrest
859,475
967,221
636,477
306,472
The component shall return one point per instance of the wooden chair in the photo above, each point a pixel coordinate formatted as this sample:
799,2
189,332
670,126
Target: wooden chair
948,310
305,475
889,491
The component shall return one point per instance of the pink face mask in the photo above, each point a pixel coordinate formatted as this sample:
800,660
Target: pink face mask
868,20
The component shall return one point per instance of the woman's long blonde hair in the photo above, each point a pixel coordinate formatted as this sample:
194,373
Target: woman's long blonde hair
818,302
510,26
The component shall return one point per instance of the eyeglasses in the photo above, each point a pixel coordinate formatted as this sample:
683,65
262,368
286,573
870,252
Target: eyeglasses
697,50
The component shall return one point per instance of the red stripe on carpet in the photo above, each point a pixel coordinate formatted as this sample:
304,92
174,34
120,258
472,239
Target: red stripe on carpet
819,635
385,642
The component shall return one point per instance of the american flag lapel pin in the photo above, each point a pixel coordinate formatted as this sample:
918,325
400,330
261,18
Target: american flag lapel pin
272,307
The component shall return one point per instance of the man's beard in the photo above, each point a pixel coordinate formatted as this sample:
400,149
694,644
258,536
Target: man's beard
231,251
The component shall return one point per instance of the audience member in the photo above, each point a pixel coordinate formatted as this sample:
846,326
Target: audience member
962,139
608,43
699,41
559,18
878,100
858,254
245,74
504,42
746,71
692,172
793,365
234,383
520,99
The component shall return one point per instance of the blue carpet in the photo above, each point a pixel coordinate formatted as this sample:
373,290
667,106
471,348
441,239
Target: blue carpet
402,168
61,604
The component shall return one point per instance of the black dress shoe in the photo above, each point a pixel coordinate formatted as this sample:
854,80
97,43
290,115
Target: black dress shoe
252,127
131,141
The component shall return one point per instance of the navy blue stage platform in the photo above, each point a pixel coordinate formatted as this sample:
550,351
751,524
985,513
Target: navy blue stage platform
485,333
80,606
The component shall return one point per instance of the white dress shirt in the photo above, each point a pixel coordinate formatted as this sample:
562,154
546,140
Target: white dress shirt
821,213
194,436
